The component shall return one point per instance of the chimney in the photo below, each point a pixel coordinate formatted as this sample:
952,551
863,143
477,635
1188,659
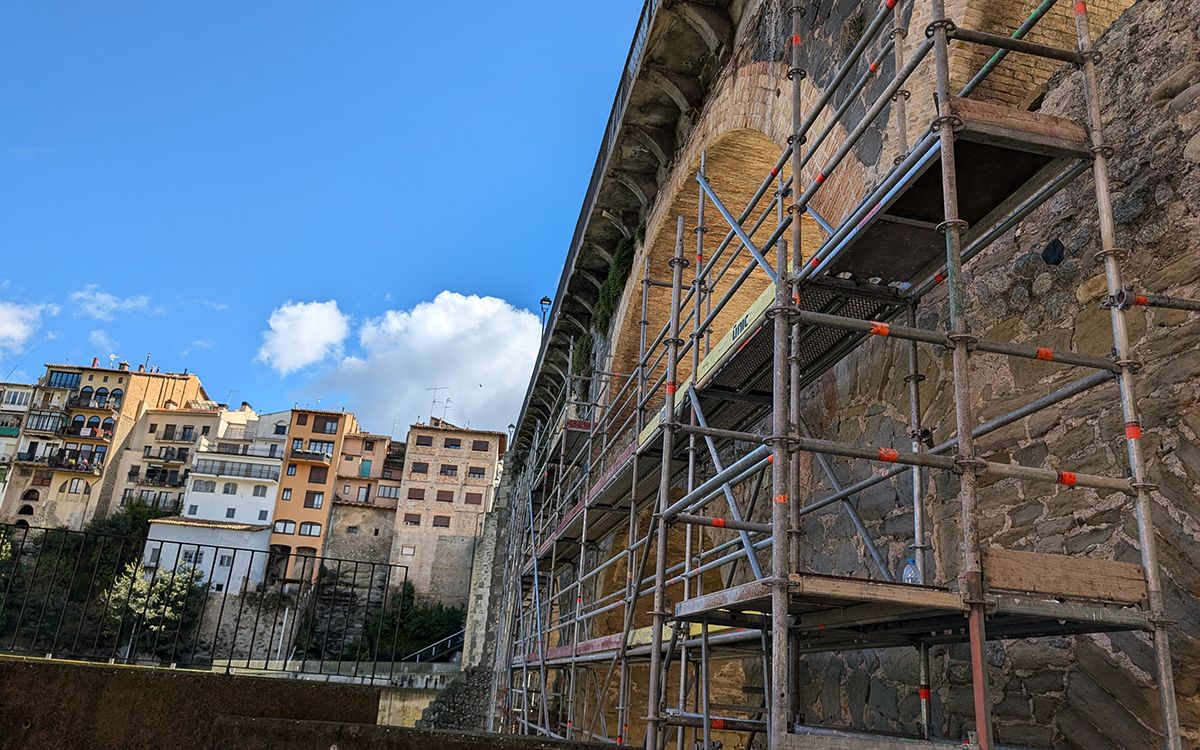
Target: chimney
124,366
246,406
141,368
95,361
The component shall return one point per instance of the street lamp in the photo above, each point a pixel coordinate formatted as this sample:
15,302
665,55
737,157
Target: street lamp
546,302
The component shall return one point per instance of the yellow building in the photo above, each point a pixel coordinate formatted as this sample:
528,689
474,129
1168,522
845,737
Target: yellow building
78,419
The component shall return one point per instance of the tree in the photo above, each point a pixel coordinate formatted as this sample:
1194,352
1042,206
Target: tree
157,607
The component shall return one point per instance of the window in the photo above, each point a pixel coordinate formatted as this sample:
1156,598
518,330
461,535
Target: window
318,474
308,528
285,527
153,428
407,550
385,491
452,443
314,499
416,493
229,488
412,519
351,529
425,440
155,554
441,522
205,429
420,468
368,445
168,432
301,419
193,510
387,473
475,472
225,561
280,429
204,485
363,494
291,470
77,486
194,557
218,587
260,490
327,425
287,493
376,532
59,379
16,398
230,512
445,496
473,498
320,446
297,444
262,515
189,432
448,470
480,445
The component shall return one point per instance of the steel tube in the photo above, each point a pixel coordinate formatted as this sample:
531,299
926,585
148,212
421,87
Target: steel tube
654,691
725,523
1127,381
971,576
733,469
1012,44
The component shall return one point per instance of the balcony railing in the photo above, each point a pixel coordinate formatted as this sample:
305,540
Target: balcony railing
177,437
239,450
156,481
87,432
100,404
65,463
318,456
235,469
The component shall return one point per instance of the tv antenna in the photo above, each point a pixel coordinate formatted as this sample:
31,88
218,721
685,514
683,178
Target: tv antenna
434,403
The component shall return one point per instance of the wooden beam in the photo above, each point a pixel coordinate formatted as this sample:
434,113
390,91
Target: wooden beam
1060,575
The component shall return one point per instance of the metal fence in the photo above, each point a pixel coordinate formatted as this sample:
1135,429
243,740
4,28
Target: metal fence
182,604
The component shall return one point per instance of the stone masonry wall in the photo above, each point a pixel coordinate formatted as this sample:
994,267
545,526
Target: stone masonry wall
1093,691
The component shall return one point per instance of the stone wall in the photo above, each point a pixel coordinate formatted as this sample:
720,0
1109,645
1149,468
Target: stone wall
1085,691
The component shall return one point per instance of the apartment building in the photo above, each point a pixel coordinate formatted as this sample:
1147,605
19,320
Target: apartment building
14,403
224,521
77,417
307,487
450,476
363,519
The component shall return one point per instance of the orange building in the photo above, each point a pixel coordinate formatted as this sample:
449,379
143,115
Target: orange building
307,487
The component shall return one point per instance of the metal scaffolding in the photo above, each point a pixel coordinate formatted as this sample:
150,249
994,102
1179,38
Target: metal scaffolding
631,461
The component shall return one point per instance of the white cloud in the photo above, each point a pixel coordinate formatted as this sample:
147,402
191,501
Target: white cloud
195,346
481,348
19,322
302,334
101,340
103,306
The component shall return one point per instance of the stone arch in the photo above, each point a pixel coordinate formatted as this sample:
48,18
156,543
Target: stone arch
25,510
736,163
31,496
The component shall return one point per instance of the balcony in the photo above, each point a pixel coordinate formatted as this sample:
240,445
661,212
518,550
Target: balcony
177,437
376,502
93,433
62,463
170,456
150,480
43,426
95,404
311,456
236,469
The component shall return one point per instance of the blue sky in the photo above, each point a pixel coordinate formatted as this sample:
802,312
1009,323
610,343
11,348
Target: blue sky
298,200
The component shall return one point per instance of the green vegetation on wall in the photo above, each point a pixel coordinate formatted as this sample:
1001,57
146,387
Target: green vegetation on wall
614,285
